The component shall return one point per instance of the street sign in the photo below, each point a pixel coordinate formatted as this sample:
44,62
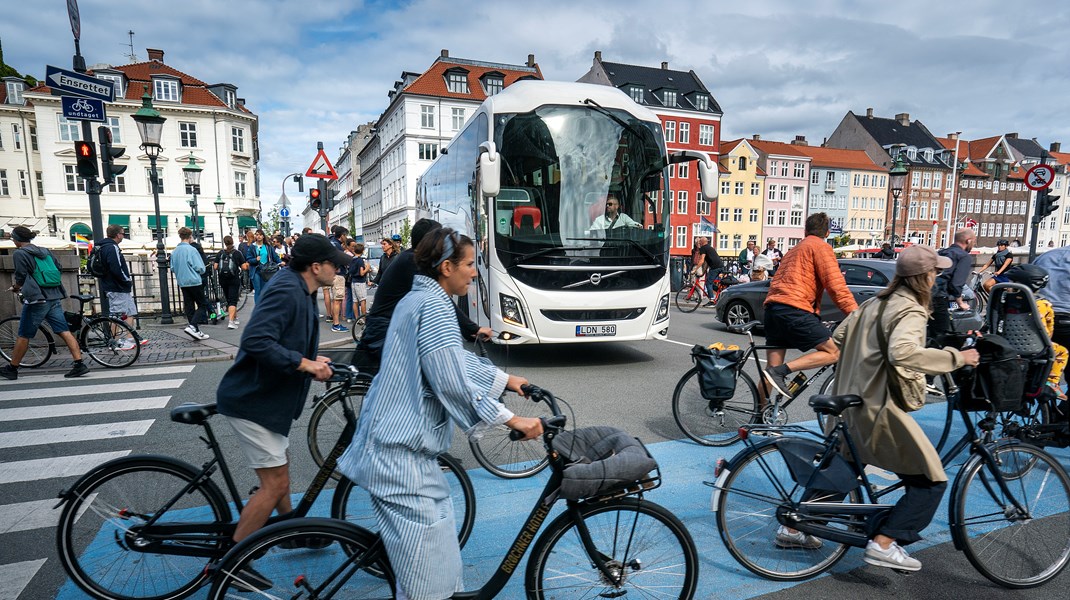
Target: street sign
83,109
317,166
79,84
284,213
76,20
1039,177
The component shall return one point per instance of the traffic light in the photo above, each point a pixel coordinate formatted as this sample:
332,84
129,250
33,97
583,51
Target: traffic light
321,188
300,181
1046,204
314,200
87,159
331,201
108,153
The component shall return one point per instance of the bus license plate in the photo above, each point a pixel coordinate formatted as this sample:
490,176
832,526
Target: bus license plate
595,330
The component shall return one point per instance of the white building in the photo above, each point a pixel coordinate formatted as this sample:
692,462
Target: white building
21,178
425,112
347,212
209,122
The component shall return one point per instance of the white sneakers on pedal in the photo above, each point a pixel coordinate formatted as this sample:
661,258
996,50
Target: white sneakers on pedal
786,539
893,558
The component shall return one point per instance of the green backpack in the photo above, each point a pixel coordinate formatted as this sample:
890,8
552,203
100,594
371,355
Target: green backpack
46,274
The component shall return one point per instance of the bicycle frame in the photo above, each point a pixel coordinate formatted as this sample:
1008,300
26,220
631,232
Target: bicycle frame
752,350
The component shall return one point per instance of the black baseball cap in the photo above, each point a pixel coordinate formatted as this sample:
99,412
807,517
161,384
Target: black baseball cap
314,247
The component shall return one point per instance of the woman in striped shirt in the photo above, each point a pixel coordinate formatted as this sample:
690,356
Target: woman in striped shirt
426,381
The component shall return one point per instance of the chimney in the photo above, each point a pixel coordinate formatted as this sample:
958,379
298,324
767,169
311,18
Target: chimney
597,56
869,113
756,137
904,119
952,136
531,60
155,54
800,140
1011,136
665,65
445,53
1054,147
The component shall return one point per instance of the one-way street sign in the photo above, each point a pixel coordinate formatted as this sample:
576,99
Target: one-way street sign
79,84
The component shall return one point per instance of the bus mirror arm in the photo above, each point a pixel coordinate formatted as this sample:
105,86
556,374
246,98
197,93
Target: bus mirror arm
490,169
707,170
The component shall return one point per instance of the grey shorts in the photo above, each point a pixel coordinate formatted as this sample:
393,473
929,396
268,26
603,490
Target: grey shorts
262,448
360,291
122,303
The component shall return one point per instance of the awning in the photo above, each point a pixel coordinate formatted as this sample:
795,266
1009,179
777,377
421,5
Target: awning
246,221
200,222
152,221
81,228
121,220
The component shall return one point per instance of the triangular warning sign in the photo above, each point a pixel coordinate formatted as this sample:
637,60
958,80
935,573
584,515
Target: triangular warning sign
321,167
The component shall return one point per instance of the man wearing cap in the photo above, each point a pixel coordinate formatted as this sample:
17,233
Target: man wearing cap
264,390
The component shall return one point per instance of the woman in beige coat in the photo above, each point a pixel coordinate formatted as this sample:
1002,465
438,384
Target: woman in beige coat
885,435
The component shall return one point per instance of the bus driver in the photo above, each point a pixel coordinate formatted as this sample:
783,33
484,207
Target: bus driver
613,218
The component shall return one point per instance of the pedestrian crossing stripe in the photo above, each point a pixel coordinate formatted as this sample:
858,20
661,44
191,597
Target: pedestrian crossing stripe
77,433
16,576
29,376
59,466
88,390
53,411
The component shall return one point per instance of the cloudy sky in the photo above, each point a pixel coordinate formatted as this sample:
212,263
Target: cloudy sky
313,71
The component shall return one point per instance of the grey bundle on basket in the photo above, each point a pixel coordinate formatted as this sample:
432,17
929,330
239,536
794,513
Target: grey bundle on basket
600,458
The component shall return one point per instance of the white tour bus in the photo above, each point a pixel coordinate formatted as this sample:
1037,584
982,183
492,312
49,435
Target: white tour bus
532,178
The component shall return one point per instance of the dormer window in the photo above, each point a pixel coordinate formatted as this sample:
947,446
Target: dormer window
14,92
742,163
636,93
668,98
928,154
702,102
493,83
912,153
457,81
165,90
231,98
116,80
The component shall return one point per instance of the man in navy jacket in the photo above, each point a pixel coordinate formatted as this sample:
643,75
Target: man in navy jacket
264,391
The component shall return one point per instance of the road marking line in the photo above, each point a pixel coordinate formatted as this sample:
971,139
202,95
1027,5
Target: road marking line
96,374
83,408
87,390
77,433
15,577
677,343
25,516
59,466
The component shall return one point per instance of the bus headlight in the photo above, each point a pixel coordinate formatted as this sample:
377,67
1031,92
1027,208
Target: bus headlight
663,309
511,312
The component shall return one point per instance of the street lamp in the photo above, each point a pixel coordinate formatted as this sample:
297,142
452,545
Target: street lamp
230,224
193,182
896,177
150,127
219,205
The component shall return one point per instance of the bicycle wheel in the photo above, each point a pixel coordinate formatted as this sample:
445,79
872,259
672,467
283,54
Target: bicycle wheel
352,564
351,503
505,458
327,420
41,346
747,502
97,537
703,421
689,299
644,544
1013,549
110,342
357,328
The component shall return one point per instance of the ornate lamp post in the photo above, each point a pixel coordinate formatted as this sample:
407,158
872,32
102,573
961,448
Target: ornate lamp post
896,178
230,224
192,174
219,205
150,127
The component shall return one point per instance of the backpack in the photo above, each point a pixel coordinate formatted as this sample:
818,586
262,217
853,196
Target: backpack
94,265
46,274
228,266
998,382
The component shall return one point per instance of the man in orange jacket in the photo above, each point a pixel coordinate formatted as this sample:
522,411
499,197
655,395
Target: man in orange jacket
792,306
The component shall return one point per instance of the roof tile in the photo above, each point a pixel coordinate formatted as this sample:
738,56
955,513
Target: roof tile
433,81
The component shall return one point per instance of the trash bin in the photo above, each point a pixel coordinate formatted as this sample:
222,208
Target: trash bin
676,272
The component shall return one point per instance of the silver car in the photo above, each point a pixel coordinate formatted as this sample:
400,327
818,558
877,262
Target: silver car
865,277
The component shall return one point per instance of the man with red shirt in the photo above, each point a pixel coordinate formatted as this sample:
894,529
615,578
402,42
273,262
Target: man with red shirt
791,308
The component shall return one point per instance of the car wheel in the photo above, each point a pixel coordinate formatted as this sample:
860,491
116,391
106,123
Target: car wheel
738,313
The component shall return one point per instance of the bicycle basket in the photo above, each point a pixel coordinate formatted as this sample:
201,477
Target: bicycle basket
602,460
716,373
998,382
802,457
74,320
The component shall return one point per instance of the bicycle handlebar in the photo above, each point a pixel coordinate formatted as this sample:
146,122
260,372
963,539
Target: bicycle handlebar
342,372
537,394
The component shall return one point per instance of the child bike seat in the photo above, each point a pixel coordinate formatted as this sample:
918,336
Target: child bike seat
192,413
834,405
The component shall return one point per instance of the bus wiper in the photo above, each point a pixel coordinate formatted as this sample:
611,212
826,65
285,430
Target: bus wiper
538,253
633,243
598,107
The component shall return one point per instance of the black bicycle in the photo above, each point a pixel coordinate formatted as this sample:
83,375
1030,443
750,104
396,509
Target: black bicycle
149,526
610,545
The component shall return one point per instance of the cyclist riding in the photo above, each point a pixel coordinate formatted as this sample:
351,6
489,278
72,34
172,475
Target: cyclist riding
710,263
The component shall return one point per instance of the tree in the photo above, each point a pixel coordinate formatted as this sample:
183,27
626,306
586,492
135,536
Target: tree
406,233
841,240
273,222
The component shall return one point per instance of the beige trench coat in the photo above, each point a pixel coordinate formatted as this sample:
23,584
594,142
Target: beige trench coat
886,436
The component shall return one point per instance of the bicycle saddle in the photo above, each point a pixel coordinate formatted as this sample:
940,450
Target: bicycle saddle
83,297
744,328
192,413
827,404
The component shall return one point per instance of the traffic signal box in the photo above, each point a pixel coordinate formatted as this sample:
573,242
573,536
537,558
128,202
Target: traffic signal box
314,199
108,153
86,152
321,189
1046,204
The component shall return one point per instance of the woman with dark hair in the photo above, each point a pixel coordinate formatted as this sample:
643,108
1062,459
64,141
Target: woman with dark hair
259,253
390,250
229,263
427,379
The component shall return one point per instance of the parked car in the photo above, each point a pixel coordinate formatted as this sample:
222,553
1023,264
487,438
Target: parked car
373,252
865,277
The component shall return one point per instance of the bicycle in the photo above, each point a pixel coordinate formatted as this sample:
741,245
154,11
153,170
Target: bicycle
690,297
149,526
1007,501
608,545
109,341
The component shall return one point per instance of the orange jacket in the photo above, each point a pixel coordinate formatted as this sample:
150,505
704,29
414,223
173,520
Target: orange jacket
805,272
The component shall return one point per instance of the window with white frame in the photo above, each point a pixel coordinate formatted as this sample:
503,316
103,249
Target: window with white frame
799,170
784,169
636,93
33,138
165,90
926,179
668,98
116,133
116,187
722,242
427,116
770,217
39,177
796,218
987,206
24,184
705,135
239,184
783,193
14,92
683,171
672,171
739,188
5,189
702,206
427,151
116,82
74,182
237,139
772,192
797,194
724,215
737,242
913,209
493,85
843,178
737,215
782,217
159,179
815,176
230,98
726,187
670,131
702,102
681,236
915,179
685,132
1000,206
457,118
187,134
681,202
755,189
938,180
457,82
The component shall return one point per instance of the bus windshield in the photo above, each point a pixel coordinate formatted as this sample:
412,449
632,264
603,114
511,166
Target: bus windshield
580,183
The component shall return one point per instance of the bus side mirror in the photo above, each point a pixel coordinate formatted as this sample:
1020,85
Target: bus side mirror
490,169
707,170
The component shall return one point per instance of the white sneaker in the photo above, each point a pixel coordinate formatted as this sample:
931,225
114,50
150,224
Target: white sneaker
786,539
195,333
237,322
893,558
232,325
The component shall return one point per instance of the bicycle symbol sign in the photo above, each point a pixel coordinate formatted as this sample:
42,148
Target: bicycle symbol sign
83,109
82,105
1039,177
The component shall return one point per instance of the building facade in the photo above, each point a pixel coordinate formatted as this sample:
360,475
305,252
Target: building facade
1059,232
691,120
787,182
739,203
426,110
21,176
850,188
992,191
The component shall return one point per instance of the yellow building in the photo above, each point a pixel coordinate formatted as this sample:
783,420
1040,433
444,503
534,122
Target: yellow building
739,205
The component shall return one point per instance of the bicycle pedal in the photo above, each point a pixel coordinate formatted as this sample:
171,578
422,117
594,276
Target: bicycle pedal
904,573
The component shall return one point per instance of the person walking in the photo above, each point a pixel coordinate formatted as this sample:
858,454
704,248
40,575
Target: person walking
229,263
116,283
358,279
334,295
37,279
188,267
773,253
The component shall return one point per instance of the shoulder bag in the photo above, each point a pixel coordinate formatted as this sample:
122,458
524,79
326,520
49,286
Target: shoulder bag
913,397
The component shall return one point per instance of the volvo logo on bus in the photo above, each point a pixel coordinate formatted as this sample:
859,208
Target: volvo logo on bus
596,278
593,279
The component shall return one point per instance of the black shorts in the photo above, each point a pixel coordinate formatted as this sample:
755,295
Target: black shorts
791,328
231,287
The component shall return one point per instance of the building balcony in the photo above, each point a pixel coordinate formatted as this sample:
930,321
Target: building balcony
830,187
